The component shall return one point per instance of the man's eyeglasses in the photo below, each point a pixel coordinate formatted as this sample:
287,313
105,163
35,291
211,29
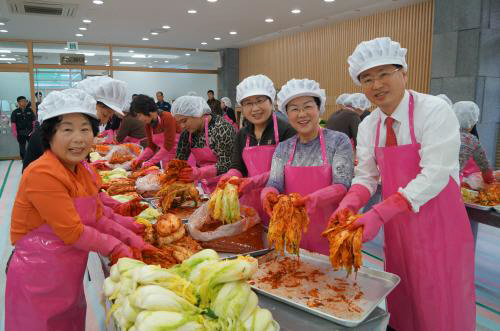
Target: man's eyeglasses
368,81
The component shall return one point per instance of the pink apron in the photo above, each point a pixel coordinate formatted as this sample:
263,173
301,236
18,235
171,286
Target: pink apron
159,140
470,168
258,161
306,180
230,121
44,289
432,250
205,157
133,140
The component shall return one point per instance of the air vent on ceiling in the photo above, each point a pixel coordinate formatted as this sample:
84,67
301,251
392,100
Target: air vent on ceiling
42,8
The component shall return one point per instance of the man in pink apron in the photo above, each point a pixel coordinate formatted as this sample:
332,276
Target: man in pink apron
161,131
44,290
317,163
255,143
411,142
472,155
206,136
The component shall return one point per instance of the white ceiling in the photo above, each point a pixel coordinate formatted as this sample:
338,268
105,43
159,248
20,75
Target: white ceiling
128,21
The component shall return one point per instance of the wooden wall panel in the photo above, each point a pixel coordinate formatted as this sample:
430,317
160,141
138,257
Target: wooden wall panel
321,53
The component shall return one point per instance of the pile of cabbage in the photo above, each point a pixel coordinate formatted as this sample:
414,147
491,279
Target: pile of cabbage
224,204
202,293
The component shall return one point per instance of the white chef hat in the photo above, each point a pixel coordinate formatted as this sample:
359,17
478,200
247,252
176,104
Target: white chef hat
67,101
467,113
109,91
445,98
341,98
358,100
226,101
255,85
374,53
190,105
299,88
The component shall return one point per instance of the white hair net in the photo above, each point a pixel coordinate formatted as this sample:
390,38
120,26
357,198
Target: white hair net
190,105
111,92
445,98
67,101
374,53
357,100
341,98
295,88
255,85
467,113
226,101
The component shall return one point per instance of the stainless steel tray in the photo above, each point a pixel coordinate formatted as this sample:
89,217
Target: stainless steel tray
374,284
476,206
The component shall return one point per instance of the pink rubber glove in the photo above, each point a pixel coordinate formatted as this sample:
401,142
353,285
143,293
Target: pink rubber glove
13,128
267,193
128,237
205,172
161,155
146,154
381,213
231,173
108,201
356,197
129,223
93,240
328,195
488,176
254,182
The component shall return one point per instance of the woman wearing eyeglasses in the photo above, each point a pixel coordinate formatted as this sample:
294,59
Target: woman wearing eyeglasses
317,163
255,143
411,141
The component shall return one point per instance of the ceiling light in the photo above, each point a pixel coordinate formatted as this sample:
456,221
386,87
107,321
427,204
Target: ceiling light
2,23
3,55
127,62
296,11
329,0
5,51
98,2
86,61
150,66
87,21
65,48
79,35
192,11
4,31
145,39
269,20
166,61
131,51
166,27
154,33
188,54
139,56
7,59
89,54
212,0
233,32
82,28
203,43
216,38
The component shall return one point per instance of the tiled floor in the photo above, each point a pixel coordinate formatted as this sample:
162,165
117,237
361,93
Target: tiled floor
487,270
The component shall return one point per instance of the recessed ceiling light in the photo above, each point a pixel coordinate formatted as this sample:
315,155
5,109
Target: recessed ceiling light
216,38
269,20
145,39
188,54
2,23
87,21
4,31
79,35
233,32
150,66
7,59
166,27
139,56
154,33
166,61
212,0
3,55
82,28
5,51
192,11
98,2
131,51
329,0
127,62
203,43
296,11
86,61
